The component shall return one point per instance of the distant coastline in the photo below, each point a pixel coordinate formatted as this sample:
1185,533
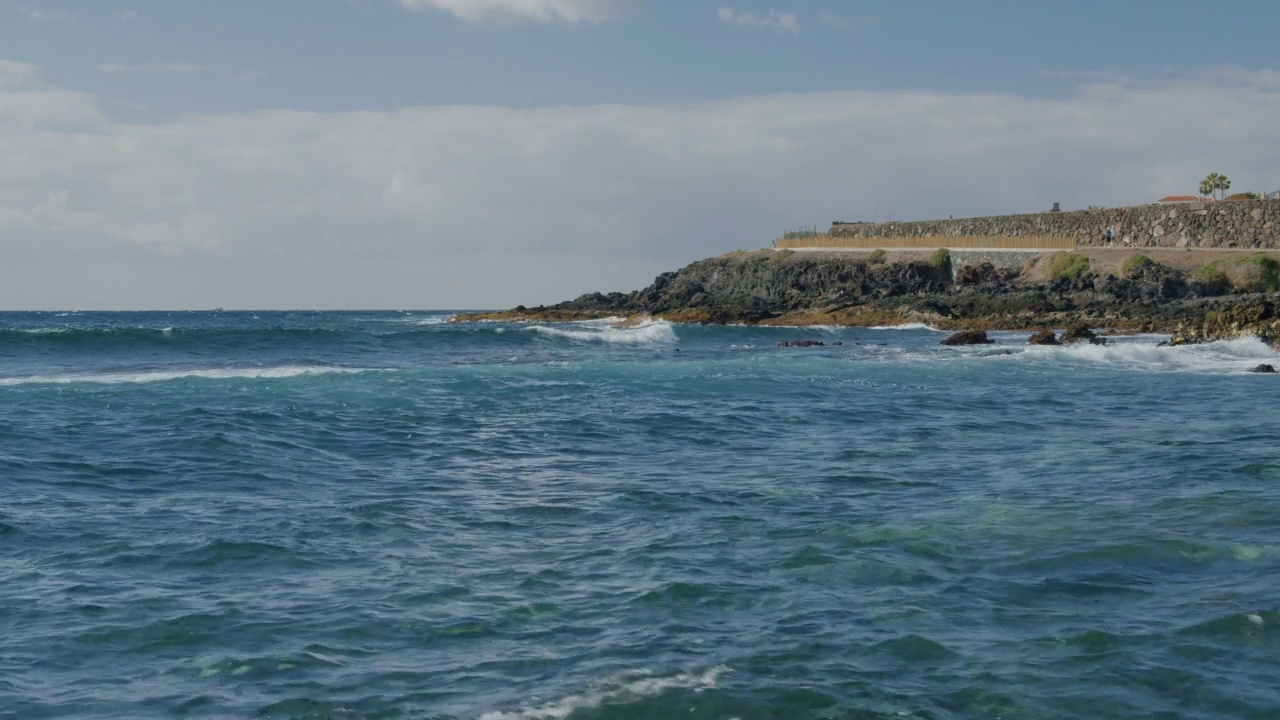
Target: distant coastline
1196,271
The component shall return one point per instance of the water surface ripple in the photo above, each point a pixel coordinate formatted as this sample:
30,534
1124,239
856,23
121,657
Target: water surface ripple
379,515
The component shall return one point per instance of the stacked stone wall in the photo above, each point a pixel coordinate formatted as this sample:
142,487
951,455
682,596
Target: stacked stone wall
1236,224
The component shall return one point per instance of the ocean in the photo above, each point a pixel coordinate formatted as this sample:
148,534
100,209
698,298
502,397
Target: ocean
383,515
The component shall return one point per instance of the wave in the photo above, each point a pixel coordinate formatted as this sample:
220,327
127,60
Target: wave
1142,352
906,326
119,334
624,688
605,331
119,378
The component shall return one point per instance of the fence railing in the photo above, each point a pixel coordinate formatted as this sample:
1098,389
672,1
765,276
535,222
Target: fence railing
929,242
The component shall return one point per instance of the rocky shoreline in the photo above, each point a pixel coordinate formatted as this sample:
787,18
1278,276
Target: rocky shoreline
1228,297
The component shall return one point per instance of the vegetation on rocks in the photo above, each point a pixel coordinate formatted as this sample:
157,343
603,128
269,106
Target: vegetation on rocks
876,256
1063,265
1134,264
1213,277
1258,274
941,259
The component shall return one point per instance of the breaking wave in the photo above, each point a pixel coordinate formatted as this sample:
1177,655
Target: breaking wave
608,331
620,689
167,375
906,326
1145,352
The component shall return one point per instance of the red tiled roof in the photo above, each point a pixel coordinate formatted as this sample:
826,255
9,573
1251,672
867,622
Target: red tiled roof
1182,198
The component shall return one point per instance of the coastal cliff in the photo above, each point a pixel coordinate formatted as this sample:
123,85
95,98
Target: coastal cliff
1124,291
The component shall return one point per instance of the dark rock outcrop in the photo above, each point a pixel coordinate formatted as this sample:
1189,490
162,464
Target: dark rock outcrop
1257,316
1264,368
968,337
1044,337
802,343
786,288
1081,333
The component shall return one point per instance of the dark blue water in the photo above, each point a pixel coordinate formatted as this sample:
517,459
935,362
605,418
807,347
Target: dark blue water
377,515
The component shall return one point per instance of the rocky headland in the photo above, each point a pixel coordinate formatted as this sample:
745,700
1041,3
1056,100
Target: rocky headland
1195,296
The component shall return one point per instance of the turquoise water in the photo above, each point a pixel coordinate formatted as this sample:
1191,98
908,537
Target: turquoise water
377,515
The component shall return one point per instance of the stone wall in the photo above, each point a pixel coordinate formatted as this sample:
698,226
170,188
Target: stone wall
1243,224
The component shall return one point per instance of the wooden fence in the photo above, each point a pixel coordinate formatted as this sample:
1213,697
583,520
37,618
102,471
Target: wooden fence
929,242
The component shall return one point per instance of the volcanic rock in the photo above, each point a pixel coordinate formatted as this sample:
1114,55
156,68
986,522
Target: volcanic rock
1044,337
968,337
1079,333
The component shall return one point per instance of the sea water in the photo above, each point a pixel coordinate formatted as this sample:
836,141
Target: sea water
384,515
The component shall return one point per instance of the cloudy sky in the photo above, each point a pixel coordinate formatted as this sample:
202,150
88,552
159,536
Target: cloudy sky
485,153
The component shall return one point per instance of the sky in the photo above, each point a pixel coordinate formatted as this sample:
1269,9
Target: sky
486,153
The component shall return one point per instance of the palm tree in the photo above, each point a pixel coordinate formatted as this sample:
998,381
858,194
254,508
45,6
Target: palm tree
1222,184
1215,182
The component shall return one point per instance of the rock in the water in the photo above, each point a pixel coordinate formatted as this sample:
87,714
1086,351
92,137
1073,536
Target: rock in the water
1264,368
801,343
1044,337
968,337
1258,317
1080,333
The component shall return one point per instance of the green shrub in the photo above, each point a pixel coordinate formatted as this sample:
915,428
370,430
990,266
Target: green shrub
780,254
1133,263
876,256
803,233
1065,265
941,258
1259,273
1213,276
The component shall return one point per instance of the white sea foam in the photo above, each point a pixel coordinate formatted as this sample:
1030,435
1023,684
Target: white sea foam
1144,352
658,331
906,326
45,331
616,690
167,375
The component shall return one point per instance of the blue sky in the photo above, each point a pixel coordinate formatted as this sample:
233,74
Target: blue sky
334,55
414,153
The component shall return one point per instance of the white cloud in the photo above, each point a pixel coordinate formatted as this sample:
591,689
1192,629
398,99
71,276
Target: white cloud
16,73
179,68
26,102
835,20
130,15
570,11
785,21
1239,76
44,15
844,22
491,206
